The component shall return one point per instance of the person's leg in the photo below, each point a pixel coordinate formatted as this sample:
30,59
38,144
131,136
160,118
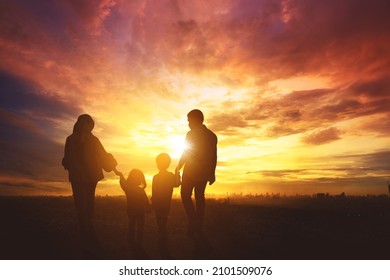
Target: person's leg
90,208
163,235
139,249
186,193
78,190
140,229
83,194
131,231
162,226
200,187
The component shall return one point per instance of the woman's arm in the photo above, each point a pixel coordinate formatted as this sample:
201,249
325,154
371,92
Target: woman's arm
107,160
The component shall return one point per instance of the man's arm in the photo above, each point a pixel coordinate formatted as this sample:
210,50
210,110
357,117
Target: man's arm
183,157
214,159
181,162
177,181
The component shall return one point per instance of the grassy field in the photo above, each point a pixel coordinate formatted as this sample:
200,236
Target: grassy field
266,228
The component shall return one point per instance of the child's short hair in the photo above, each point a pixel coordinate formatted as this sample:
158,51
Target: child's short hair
163,161
136,178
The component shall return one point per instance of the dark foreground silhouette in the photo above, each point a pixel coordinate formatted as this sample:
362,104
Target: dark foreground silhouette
84,159
199,161
282,228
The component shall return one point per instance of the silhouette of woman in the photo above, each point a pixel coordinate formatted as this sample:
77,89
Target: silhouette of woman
84,159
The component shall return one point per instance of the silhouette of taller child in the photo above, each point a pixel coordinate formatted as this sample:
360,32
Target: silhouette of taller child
199,161
84,159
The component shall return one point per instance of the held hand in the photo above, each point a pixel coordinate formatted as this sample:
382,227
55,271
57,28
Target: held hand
118,173
178,178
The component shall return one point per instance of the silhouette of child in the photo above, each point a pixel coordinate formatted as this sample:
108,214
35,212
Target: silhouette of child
137,206
162,189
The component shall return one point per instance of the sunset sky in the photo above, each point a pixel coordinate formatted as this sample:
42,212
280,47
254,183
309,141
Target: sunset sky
298,92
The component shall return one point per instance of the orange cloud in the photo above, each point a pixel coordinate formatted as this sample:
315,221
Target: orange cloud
323,136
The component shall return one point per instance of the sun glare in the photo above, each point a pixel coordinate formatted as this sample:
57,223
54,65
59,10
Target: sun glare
177,145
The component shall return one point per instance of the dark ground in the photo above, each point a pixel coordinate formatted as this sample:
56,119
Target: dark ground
275,228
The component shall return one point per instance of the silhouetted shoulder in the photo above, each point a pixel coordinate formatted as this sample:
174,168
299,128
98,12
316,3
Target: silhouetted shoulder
164,180
212,135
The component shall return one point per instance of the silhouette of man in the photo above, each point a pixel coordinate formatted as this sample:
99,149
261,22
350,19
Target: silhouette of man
84,158
199,161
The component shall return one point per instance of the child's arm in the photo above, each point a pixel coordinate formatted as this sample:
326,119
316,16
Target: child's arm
148,208
122,179
154,187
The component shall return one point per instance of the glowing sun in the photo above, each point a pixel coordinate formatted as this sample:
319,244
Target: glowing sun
177,145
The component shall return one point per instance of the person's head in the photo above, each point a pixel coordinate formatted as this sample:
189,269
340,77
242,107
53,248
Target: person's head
195,118
84,123
163,161
77,128
136,178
